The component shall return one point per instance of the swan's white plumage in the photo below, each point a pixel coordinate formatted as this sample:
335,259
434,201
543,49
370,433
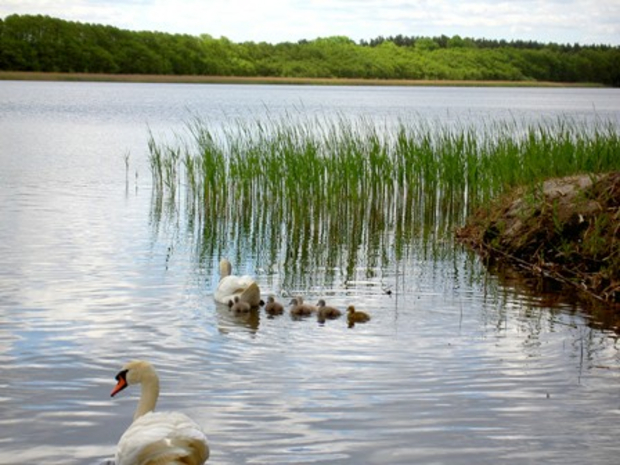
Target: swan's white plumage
231,286
162,438
157,438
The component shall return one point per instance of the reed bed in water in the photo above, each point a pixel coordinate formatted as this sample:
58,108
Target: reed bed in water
331,182
327,161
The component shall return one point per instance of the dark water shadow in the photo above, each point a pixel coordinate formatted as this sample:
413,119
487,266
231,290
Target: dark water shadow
542,292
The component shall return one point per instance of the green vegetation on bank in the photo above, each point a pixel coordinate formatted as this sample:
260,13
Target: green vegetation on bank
45,44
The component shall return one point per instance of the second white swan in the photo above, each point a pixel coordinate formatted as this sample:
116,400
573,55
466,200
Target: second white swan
231,286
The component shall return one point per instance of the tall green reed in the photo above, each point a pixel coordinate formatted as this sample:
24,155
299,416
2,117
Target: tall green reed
334,191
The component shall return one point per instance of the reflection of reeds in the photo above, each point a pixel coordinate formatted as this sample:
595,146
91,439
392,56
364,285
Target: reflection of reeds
339,193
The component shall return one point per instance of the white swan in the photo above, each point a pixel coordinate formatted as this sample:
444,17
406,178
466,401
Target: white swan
156,438
231,286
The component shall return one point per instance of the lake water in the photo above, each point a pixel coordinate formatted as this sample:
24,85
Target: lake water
457,365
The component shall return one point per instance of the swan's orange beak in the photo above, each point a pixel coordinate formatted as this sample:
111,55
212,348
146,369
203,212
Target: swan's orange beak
121,384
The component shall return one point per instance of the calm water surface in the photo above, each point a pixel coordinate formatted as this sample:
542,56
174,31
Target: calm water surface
456,366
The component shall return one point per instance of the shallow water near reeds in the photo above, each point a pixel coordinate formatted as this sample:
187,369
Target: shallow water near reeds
457,366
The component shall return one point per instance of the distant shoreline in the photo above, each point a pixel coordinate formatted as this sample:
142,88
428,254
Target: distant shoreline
172,79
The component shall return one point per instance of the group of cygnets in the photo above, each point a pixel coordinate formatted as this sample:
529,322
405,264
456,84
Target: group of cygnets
299,309
241,294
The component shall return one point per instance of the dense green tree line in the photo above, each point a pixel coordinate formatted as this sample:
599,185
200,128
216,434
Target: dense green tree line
42,43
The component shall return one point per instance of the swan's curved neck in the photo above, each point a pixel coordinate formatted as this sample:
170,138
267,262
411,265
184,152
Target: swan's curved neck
148,396
225,268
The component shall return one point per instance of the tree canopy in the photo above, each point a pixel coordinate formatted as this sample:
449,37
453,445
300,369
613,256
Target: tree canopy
42,43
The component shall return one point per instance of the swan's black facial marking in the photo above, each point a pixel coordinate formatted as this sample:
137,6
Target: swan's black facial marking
121,378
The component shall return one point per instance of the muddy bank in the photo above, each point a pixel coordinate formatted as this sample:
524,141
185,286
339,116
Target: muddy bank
567,229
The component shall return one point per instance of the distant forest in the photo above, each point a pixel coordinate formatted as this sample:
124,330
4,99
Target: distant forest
45,44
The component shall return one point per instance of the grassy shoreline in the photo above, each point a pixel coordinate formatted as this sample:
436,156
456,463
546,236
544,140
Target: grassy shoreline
172,79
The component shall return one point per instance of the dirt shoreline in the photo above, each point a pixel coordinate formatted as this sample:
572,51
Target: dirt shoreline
152,78
568,230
